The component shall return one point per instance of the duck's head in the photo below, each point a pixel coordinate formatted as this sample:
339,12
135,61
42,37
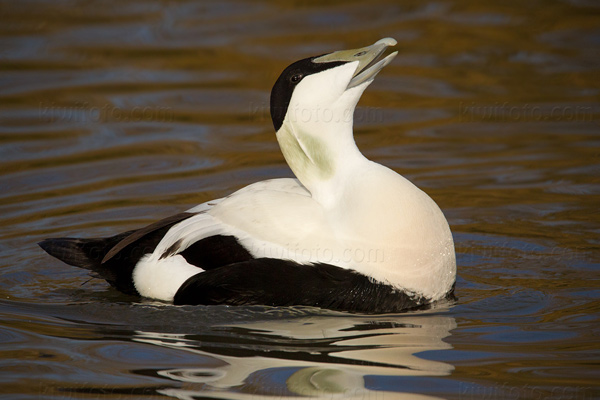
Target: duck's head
324,82
312,107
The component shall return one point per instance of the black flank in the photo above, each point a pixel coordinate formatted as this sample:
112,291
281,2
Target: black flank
274,282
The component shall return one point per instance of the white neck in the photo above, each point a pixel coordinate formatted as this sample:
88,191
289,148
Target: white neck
321,162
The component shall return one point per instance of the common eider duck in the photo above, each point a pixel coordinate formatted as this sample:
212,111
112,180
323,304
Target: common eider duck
347,234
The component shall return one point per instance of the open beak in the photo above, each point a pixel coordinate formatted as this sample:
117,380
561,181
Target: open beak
369,63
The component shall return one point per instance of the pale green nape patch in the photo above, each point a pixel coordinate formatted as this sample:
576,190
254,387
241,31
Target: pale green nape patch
308,160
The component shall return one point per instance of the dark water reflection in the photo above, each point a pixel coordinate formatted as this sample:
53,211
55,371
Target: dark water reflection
115,114
231,352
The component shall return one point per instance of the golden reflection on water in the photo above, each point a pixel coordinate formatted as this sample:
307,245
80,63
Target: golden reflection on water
113,115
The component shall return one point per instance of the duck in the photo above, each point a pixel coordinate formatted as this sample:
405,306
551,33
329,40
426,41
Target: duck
346,234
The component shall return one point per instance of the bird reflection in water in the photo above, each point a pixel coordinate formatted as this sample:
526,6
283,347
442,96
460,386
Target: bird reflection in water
312,356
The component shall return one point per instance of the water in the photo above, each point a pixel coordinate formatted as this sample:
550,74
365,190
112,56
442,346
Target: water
116,114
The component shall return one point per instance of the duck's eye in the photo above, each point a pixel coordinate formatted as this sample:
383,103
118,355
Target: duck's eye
296,78
360,53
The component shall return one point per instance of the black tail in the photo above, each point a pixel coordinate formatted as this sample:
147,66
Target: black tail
83,253
88,254
112,258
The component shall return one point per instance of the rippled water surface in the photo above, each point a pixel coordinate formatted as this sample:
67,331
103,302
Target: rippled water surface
116,114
